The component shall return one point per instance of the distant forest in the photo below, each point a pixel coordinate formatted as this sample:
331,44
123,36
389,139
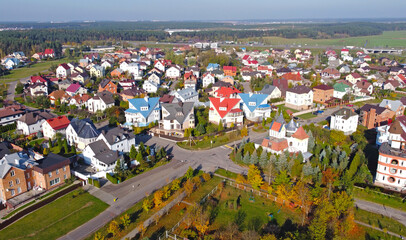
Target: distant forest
42,35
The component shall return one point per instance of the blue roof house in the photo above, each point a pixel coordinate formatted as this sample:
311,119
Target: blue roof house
212,66
11,63
142,111
255,106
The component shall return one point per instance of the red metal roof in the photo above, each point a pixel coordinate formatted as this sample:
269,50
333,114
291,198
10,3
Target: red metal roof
59,122
227,103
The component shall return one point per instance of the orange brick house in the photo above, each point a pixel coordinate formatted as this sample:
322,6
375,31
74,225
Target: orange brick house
117,73
372,116
322,93
20,172
230,71
107,85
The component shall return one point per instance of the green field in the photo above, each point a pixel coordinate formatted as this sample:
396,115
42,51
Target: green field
387,39
387,200
57,218
307,116
380,221
24,72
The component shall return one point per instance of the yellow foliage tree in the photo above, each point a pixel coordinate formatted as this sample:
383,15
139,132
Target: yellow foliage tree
240,179
189,187
114,228
158,198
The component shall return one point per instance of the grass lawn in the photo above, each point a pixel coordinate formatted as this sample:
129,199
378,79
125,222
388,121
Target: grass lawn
391,201
206,143
372,234
57,218
283,107
34,69
307,116
256,211
37,141
380,221
387,39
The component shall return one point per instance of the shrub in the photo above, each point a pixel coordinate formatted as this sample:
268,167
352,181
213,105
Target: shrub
112,179
96,183
90,181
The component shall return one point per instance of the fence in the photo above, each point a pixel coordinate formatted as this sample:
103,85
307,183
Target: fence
308,111
362,99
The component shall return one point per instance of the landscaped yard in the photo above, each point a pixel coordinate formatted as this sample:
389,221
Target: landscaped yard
307,116
57,218
391,201
283,107
211,142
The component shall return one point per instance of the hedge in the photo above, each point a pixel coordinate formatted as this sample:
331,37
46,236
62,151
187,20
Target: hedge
90,181
96,183
112,179
8,127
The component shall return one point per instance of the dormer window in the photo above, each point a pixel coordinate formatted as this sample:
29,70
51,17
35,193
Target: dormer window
144,108
252,103
222,108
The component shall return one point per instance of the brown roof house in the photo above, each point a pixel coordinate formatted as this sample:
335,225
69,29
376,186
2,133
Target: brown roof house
372,116
31,122
322,93
299,98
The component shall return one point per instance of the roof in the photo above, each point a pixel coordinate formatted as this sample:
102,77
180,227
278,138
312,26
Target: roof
11,111
59,122
137,103
64,65
58,94
391,104
268,89
368,107
323,87
49,51
355,75
17,160
230,68
117,134
228,103
84,128
177,111
253,101
33,117
227,91
186,93
106,97
104,82
331,71
276,144
292,126
277,124
345,112
73,87
300,134
103,153
4,149
134,91
292,76
166,98
301,89
50,163
340,87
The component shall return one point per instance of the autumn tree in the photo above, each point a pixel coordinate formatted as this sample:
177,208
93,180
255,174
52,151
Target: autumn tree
98,236
175,185
158,198
254,177
189,173
113,228
125,220
301,195
244,131
189,187
147,204
166,192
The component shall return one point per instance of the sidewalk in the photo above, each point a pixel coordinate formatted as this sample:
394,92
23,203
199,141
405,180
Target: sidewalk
376,228
100,194
396,214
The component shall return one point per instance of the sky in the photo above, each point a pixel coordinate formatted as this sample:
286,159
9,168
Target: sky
184,10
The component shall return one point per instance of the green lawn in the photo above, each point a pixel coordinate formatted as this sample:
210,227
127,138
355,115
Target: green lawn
283,107
387,39
380,221
57,218
34,69
391,201
372,234
225,173
307,116
206,143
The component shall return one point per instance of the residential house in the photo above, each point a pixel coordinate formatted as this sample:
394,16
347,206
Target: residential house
227,92
186,95
118,139
81,132
100,102
117,73
49,53
293,78
10,114
363,88
97,71
150,87
177,116
228,79
80,100
58,95
230,70
212,67
37,89
79,77
272,92
98,155
55,125
344,120
255,106
207,79
225,111
390,85
64,84
372,116
75,88
353,78
107,64
31,122
299,98
173,72
330,73
166,98
63,71
132,93
127,84
322,93
107,85
142,111
51,171
394,105
281,84
341,89
11,63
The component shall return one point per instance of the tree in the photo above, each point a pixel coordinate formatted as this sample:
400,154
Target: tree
301,195
158,198
46,151
133,152
254,158
98,236
175,185
189,173
113,228
65,146
240,179
220,127
337,137
247,158
282,163
189,187
254,177
147,204
117,168
244,131
263,160
311,143
125,220
19,88
187,133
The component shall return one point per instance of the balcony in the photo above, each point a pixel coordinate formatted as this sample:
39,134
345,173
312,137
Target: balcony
393,170
394,162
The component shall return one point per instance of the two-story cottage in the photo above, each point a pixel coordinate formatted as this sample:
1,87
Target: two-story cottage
207,79
345,120
63,71
100,156
100,102
395,105
81,132
372,116
142,111
11,114
107,85
226,111
186,95
177,116
31,122
255,106
322,93
55,125
118,139
299,98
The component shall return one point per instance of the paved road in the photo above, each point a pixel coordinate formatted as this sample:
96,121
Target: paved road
396,214
11,90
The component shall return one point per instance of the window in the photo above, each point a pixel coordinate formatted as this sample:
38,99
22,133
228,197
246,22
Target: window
64,176
10,184
64,168
19,190
12,192
50,174
17,181
53,182
12,173
57,171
